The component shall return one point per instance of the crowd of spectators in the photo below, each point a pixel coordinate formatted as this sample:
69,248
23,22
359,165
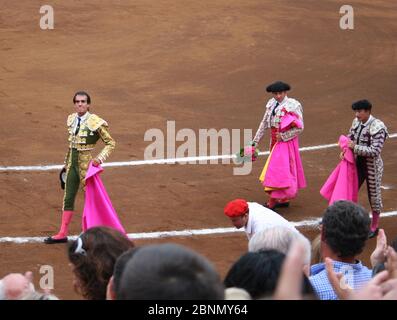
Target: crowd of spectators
280,263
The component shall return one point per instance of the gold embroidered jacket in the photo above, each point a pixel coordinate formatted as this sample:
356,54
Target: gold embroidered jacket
91,130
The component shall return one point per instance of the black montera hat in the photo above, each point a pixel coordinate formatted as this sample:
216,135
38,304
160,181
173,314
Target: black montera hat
362,104
278,86
62,178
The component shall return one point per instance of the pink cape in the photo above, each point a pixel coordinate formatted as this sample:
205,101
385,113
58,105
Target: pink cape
98,209
342,184
284,173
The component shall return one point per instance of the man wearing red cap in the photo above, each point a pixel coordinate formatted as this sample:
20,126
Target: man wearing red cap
253,217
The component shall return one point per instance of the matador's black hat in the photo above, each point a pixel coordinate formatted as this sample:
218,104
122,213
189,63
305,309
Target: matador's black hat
62,177
278,86
362,105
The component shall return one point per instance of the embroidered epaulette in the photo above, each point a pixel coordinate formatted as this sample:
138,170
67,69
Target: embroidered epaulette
376,126
355,123
293,105
71,119
94,122
270,103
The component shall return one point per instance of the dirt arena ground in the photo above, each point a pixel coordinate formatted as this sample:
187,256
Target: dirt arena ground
203,64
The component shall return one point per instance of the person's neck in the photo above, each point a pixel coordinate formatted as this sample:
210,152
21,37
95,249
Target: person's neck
81,114
279,102
366,120
350,260
327,252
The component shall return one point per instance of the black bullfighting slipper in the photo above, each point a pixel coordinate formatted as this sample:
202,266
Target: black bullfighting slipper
282,204
51,240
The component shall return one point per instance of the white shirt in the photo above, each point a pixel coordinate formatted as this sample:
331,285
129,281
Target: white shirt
82,120
260,218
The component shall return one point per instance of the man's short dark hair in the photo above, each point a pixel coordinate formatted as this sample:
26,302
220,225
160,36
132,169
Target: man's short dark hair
119,267
362,105
169,272
82,93
258,273
345,228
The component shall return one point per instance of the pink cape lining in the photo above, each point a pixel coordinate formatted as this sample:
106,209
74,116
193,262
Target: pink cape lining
284,174
98,209
342,184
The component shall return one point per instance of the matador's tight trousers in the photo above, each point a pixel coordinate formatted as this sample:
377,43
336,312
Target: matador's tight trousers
72,182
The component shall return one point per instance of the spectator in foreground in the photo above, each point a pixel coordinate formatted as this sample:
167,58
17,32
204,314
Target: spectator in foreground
280,238
15,285
93,256
344,232
258,274
113,287
169,272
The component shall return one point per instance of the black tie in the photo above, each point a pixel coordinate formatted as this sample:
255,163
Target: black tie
274,109
78,126
359,134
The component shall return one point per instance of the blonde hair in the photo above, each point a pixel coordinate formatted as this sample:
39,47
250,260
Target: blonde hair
316,250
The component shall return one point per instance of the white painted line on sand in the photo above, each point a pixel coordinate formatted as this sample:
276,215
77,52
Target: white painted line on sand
182,233
161,161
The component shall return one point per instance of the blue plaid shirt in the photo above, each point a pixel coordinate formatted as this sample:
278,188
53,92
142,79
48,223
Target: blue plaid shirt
356,275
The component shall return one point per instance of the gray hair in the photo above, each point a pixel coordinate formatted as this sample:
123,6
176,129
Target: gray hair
34,295
279,238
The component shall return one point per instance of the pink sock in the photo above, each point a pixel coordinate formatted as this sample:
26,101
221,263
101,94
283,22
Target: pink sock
66,218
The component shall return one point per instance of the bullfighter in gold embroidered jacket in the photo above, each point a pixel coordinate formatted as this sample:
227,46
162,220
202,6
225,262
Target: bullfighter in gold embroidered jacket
84,129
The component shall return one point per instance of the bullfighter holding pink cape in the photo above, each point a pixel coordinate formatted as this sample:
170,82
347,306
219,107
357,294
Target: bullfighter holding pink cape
84,130
342,184
283,175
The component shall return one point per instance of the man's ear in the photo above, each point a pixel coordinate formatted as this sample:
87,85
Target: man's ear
110,294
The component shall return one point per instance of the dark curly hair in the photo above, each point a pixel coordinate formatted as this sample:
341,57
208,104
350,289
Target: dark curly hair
345,228
258,273
93,264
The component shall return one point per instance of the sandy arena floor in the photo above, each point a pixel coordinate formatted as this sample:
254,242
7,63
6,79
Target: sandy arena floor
203,65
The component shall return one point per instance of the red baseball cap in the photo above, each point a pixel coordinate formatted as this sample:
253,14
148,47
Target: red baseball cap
235,208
